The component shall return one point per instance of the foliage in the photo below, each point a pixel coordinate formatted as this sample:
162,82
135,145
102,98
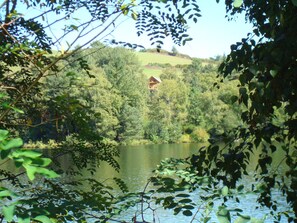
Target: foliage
154,57
211,106
199,135
174,184
14,202
266,69
174,51
89,99
267,75
167,110
44,101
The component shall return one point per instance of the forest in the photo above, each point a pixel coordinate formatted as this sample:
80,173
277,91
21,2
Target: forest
68,93
112,99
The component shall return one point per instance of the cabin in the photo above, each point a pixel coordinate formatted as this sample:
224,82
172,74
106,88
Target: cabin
154,82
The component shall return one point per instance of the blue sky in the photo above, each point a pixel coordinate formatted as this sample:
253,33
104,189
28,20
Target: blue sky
212,34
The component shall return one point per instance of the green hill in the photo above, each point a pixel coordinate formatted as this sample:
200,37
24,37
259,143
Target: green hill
154,63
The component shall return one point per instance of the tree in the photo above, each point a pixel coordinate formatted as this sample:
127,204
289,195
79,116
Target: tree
265,62
174,51
267,74
168,109
122,69
28,39
210,105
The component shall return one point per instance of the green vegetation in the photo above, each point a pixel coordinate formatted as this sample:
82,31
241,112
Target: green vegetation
266,70
84,101
154,62
111,100
81,102
147,57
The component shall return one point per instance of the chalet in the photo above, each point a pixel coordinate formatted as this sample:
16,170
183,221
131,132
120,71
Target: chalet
154,82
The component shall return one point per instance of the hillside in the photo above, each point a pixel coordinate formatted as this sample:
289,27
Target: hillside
154,63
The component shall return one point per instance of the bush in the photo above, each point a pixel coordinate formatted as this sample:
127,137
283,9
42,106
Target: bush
135,142
185,138
199,135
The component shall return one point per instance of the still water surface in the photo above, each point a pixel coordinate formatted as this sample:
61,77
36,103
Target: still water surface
138,162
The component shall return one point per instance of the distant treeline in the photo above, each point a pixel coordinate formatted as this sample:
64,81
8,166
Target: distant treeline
165,52
103,92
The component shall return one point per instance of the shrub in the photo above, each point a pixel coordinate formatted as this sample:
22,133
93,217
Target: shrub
199,135
185,138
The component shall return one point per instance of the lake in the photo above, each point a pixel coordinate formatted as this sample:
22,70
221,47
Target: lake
137,164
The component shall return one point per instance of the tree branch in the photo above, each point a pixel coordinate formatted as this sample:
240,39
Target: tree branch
3,3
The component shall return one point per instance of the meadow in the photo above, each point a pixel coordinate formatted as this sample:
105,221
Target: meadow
152,62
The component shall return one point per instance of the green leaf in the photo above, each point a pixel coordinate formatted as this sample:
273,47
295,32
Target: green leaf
237,3
240,188
24,220
3,134
134,15
186,200
255,220
26,153
294,2
8,212
183,195
74,27
17,110
273,73
48,173
223,215
191,207
31,170
234,99
70,74
225,191
18,162
187,213
43,219
5,153
8,106
43,162
223,219
5,193
125,9
13,144
25,160
1,94
242,219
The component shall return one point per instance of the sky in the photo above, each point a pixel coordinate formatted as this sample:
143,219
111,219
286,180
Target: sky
212,34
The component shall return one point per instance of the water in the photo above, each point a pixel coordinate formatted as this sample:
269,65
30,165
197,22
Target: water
137,164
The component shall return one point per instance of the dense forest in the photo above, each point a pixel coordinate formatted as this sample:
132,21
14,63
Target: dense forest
87,98
112,100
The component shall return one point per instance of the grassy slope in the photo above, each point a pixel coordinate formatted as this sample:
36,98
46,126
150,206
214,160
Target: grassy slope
148,57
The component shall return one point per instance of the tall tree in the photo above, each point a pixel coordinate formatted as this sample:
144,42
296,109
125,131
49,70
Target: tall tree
168,108
30,31
267,65
265,62
122,70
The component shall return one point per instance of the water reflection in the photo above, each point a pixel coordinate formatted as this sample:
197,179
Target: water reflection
138,162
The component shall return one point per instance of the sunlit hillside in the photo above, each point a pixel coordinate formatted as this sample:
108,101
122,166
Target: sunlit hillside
152,62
